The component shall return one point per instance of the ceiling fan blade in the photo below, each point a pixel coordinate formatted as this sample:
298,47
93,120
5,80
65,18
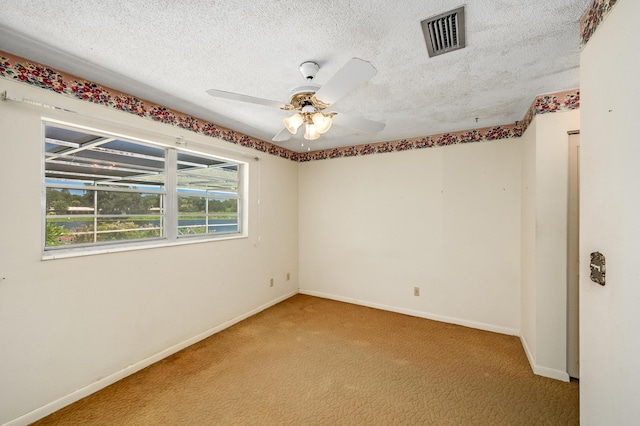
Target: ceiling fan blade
358,123
283,135
244,98
352,75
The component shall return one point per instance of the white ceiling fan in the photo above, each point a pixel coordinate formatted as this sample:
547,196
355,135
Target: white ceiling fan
311,101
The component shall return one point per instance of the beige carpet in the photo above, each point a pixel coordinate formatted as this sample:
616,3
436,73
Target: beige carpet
311,361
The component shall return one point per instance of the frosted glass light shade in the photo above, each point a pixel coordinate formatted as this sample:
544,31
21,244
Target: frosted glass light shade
322,122
311,132
293,123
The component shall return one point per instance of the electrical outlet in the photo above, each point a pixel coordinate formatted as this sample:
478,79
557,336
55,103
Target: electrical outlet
271,282
416,291
288,276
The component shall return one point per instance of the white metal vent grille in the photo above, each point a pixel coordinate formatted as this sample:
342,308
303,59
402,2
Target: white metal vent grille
445,32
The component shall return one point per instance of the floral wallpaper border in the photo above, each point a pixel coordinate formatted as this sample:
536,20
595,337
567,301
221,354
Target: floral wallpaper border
562,101
593,17
20,69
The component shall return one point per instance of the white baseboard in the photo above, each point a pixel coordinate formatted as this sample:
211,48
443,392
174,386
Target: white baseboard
419,314
551,373
527,351
51,407
539,370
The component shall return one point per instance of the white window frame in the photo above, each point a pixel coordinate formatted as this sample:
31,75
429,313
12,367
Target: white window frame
169,213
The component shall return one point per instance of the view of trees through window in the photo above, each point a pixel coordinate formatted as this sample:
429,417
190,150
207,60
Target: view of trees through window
121,216
101,189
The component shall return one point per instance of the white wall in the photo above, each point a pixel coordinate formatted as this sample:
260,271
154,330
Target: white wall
446,220
610,211
528,302
552,172
544,241
71,326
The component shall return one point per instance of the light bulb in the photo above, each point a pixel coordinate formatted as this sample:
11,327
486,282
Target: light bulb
293,123
311,132
322,122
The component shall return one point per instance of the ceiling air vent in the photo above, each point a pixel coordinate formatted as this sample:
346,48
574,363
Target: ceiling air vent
445,32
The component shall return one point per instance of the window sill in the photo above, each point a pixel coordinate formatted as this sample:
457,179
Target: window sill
91,251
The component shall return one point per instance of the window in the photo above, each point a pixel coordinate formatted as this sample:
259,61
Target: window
207,196
104,189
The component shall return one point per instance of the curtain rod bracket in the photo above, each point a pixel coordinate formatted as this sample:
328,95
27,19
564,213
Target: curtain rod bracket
8,96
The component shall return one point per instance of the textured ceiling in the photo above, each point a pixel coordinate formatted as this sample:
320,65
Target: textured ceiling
171,52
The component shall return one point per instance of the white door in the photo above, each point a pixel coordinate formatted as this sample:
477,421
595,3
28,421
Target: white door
573,256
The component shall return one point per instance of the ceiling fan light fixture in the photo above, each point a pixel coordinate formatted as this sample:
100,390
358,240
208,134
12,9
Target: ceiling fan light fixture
293,123
311,132
322,122
308,101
